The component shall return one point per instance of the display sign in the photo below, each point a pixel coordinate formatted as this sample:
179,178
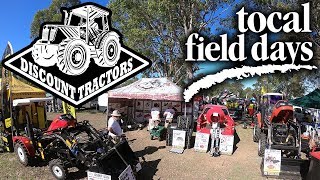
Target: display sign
177,106
97,176
201,142
179,139
127,174
272,162
226,144
139,105
147,105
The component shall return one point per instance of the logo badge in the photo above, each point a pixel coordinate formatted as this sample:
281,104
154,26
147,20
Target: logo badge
78,58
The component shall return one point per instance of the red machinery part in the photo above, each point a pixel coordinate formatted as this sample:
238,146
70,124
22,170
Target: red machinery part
215,114
61,122
27,144
282,112
314,167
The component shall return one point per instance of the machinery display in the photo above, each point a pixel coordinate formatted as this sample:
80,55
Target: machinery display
216,121
85,34
236,108
67,143
276,129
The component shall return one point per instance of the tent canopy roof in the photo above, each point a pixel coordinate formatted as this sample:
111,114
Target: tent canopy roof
311,100
20,89
27,101
149,88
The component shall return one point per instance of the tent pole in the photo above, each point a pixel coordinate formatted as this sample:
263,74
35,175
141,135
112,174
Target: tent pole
185,109
134,110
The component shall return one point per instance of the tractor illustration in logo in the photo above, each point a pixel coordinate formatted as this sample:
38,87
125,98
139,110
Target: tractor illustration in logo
84,35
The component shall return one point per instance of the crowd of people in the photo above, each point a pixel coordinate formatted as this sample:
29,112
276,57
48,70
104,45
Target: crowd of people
114,122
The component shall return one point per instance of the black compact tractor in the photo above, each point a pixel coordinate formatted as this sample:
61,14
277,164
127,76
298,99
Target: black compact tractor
67,143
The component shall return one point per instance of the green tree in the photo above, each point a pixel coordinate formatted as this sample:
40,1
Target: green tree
50,14
291,84
158,29
310,79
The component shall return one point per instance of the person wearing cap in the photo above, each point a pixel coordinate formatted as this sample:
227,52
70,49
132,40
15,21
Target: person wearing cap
114,127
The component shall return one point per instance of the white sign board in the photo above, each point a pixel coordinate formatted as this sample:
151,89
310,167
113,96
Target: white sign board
127,174
272,162
179,139
226,144
202,142
97,176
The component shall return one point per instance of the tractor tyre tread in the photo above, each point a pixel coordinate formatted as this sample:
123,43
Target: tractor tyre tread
256,134
102,61
263,141
59,163
62,63
27,161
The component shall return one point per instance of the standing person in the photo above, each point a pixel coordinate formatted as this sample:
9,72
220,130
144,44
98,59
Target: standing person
155,117
114,127
155,112
168,114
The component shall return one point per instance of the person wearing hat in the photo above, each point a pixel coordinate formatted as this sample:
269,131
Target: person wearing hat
114,127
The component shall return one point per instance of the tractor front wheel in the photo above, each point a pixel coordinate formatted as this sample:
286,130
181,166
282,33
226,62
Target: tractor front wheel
110,47
58,170
22,154
73,57
262,144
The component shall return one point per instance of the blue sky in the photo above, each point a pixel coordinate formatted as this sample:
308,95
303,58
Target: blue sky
16,18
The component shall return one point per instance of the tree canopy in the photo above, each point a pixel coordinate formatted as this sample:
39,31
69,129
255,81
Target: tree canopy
51,14
158,30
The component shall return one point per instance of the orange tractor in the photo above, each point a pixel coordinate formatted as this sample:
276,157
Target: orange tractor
275,128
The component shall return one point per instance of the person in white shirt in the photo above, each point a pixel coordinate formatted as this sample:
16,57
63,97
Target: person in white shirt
155,117
114,127
169,114
155,112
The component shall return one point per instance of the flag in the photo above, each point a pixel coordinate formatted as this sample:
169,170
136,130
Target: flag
68,109
5,84
263,90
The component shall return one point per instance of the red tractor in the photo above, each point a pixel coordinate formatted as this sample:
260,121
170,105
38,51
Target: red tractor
67,143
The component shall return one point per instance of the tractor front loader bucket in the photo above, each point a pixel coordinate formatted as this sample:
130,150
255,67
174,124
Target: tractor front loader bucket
290,169
117,160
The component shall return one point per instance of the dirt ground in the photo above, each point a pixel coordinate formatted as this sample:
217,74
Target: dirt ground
159,163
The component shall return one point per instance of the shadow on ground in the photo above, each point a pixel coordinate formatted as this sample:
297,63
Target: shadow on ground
148,150
149,170
236,141
77,175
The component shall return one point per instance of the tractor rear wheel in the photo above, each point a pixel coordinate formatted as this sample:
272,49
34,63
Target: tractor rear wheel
111,48
73,57
262,143
58,170
256,133
22,154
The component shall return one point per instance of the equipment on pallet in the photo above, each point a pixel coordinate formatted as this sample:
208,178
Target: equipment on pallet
216,121
184,123
276,129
